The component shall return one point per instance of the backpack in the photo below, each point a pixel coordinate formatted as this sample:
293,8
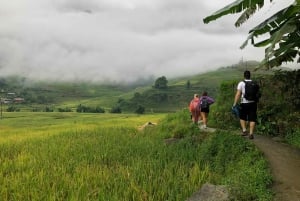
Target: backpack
204,103
251,91
194,105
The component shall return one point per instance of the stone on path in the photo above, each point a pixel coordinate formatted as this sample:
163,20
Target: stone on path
209,192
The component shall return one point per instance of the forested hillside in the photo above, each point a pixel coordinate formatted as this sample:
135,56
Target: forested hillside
39,95
278,107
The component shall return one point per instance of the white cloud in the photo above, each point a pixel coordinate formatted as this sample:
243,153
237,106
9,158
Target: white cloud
116,40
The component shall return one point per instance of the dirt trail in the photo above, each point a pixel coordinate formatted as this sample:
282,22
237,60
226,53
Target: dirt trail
284,162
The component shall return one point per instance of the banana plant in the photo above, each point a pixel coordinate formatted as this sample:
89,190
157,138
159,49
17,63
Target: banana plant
283,30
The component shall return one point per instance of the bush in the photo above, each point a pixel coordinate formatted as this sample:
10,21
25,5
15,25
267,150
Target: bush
178,125
13,109
49,109
140,110
65,109
86,109
221,116
116,109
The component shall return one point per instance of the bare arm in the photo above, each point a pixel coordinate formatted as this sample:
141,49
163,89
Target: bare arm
237,97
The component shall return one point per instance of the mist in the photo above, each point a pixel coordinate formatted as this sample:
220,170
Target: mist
119,41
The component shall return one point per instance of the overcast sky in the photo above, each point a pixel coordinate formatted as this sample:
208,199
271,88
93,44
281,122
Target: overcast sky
120,40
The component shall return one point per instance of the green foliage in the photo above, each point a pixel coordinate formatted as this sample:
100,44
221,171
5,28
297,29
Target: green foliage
140,109
50,109
116,109
71,156
279,114
221,115
237,164
178,125
12,108
283,30
293,137
188,84
87,109
67,109
230,159
108,162
161,83
175,97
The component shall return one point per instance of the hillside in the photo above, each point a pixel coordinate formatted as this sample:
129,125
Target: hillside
59,96
39,95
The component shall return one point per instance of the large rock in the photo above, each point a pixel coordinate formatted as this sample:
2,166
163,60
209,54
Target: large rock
209,192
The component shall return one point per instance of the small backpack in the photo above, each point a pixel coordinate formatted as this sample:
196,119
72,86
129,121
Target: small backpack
251,91
204,103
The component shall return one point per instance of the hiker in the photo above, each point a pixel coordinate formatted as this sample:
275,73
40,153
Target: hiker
248,106
205,102
194,108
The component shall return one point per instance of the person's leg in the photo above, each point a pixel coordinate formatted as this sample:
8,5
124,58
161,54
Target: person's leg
193,116
200,117
252,126
204,119
243,126
252,119
243,118
196,118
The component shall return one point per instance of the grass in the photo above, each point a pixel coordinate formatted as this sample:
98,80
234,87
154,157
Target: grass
71,156
19,126
54,156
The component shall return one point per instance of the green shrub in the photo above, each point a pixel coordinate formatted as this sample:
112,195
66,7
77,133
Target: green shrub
178,125
87,109
140,109
116,109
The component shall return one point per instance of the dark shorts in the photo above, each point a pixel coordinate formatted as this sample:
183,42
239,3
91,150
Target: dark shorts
248,112
206,110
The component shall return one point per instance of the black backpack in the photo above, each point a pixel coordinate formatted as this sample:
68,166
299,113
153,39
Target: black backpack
252,92
204,103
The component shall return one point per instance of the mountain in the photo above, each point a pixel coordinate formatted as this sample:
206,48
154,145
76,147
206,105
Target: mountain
179,91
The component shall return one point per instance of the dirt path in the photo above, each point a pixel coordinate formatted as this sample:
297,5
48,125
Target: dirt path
284,162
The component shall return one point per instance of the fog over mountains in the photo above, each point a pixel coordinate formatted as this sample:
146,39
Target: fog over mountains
119,40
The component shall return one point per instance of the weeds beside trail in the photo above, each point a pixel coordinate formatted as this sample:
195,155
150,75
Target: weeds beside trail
230,159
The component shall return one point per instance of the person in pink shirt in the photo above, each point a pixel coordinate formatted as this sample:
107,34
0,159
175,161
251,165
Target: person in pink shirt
194,108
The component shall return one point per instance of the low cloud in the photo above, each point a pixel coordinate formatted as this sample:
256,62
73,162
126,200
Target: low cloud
113,40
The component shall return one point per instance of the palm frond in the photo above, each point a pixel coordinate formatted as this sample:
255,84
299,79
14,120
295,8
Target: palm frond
235,7
245,16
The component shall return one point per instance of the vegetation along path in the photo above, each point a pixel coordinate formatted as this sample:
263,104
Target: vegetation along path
284,162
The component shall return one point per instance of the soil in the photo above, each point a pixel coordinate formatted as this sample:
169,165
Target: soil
284,162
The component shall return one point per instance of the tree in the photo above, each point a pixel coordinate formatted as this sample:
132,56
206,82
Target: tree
283,42
140,109
116,109
161,83
188,84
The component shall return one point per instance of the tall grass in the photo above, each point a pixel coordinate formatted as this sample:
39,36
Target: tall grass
103,163
104,157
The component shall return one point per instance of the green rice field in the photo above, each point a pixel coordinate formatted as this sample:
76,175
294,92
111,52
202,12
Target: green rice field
107,157
71,156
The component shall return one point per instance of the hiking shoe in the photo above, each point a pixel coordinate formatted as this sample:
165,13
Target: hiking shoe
203,127
244,133
251,136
